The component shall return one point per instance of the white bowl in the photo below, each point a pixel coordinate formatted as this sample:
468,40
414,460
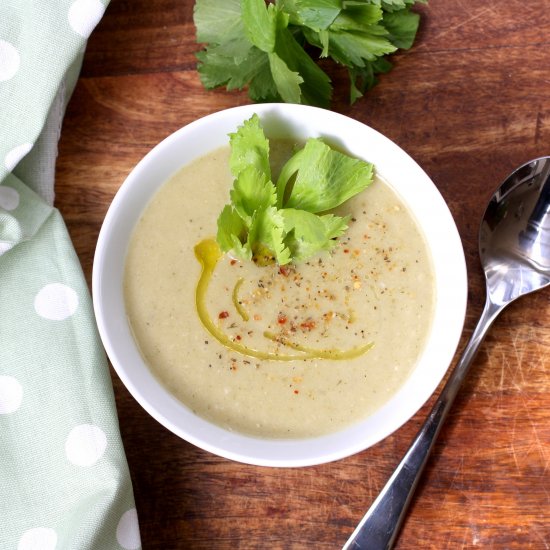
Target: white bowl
280,120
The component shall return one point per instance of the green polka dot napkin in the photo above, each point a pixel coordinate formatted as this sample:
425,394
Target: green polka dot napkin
64,481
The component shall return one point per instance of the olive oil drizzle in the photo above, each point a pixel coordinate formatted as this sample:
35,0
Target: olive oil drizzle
236,302
321,353
208,254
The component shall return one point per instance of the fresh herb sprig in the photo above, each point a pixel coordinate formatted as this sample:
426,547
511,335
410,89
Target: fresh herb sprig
286,221
264,46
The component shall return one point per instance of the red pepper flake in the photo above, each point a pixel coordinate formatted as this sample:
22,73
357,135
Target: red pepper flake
307,325
223,315
346,250
238,337
296,392
281,319
284,271
233,262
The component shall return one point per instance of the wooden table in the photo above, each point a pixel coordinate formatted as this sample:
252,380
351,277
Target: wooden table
469,102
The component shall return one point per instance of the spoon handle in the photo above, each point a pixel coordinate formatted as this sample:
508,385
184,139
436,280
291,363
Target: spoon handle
379,527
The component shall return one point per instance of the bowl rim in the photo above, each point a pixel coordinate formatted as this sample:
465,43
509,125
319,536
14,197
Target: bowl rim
434,218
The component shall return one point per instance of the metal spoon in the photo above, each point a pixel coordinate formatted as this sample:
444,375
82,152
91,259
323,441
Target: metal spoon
514,247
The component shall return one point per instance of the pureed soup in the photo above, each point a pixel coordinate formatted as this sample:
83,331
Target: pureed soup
372,294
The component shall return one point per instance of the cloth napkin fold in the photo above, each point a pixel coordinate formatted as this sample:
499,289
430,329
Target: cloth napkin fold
64,480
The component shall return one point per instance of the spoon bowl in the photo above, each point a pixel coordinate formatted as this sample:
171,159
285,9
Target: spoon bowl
514,238
514,249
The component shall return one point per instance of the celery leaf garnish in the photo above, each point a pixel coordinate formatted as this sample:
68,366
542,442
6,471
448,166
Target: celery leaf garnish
287,222
325,178
249,146
307,234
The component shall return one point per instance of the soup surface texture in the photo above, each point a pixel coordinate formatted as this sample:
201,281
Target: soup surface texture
376,287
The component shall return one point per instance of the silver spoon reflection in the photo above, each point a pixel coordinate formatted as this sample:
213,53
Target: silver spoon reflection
514,248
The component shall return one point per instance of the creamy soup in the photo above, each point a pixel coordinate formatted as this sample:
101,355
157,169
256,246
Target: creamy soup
374,292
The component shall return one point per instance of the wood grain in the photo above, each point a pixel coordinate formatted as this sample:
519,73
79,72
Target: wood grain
469,102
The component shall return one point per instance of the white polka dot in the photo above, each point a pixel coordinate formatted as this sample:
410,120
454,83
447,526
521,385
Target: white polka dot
11,394
9,60
85,445
38,538
84,15
56,302
4,247
16,154
127,530
9,198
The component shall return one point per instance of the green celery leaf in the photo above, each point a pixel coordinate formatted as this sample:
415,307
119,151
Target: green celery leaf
357,18
260,23
360,79
249,147
354,91
238,49
287,81
308,234
396,5
335,226
364,78
262,87
325,178
316,88
355,48
315,14
289,169
381,66
320,39
291,9
216,69
266,238
265,27
232,233
402,26
353,3
217,21
252,191
390,5
393,5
